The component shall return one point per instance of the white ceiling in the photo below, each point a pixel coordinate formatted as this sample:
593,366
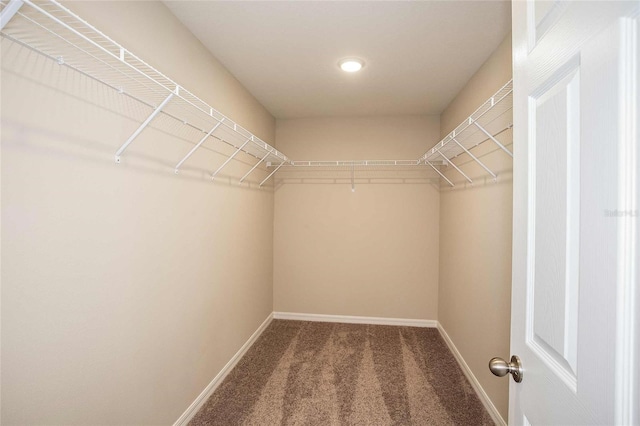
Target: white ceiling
418,55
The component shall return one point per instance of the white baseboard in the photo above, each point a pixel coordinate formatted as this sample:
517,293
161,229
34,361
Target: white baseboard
211,387
355,320
493,411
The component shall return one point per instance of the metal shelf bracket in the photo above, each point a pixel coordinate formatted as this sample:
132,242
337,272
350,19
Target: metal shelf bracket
190,153
492,138
231,158
353,176
272,173
254,167
495,178
7,13
142,126
438,171
451,163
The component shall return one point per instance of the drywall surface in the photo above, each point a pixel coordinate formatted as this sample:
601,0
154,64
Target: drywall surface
475,238
125,288
372,252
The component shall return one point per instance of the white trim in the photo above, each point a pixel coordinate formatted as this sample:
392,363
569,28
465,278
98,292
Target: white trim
626,408
348,319
211,387
486,401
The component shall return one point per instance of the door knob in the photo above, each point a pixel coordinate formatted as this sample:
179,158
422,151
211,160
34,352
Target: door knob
500,367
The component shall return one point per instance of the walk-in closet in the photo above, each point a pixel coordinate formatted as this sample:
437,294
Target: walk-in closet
221,212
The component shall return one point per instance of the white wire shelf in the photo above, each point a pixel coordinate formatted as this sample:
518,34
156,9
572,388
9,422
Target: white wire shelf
491,118
49,28
484,124
55,32
353,163
356,172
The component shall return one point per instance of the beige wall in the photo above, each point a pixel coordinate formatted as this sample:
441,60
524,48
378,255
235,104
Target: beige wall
475,239
372,252
125,289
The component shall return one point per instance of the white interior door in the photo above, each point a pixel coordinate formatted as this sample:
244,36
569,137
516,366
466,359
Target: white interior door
575,212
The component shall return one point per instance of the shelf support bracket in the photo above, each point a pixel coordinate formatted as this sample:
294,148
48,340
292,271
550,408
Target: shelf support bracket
9,11
231,157
198,145
142,126
254,167
438,171
353,173
455,167
495,178
493,139
272,173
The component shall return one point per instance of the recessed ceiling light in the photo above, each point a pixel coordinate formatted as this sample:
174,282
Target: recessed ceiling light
351,64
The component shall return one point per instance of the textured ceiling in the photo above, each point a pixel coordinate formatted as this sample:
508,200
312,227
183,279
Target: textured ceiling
418,55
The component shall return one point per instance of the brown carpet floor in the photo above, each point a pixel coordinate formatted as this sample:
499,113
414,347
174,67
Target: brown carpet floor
312,373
